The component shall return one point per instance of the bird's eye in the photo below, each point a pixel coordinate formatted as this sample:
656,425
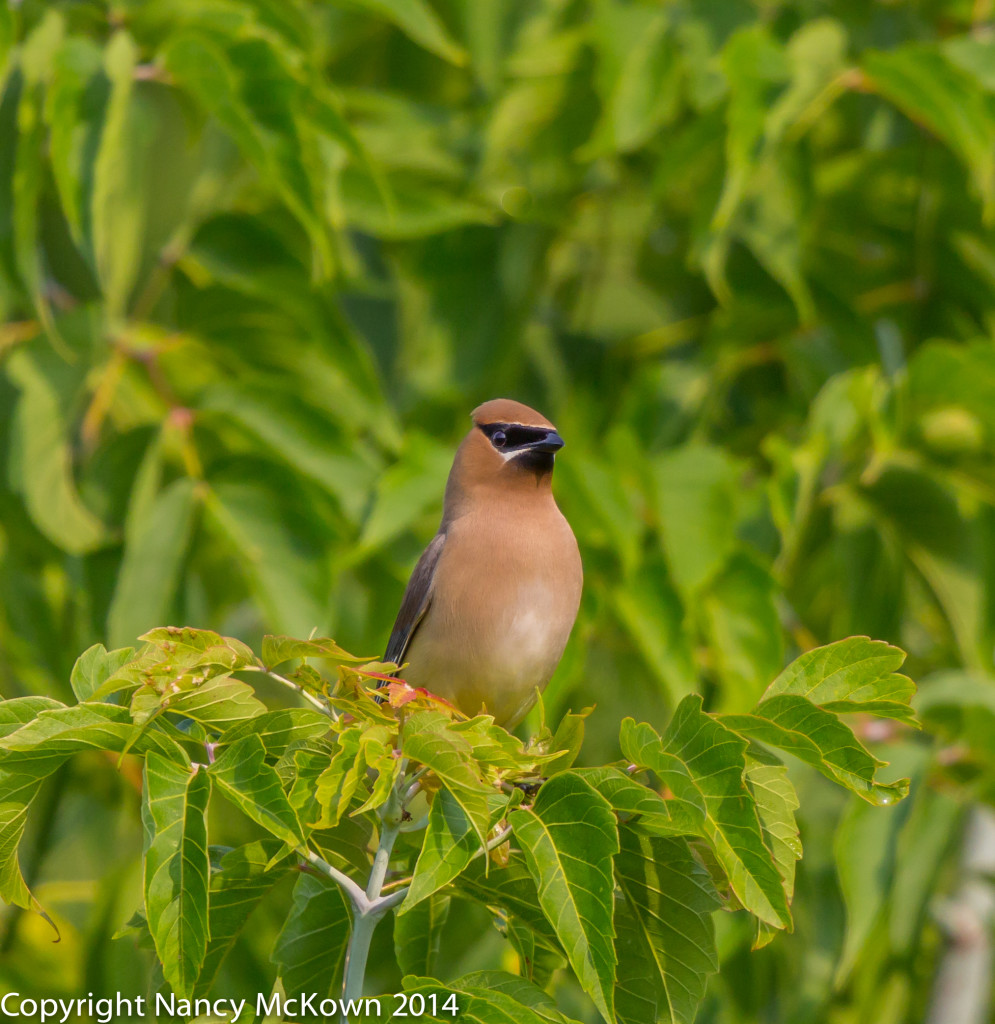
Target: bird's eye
498,438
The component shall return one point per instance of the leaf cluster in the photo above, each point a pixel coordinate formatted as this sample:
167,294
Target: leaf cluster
611,871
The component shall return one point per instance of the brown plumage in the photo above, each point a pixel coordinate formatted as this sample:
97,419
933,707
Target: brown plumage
491,602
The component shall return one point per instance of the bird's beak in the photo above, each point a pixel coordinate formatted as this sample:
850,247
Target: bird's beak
552,442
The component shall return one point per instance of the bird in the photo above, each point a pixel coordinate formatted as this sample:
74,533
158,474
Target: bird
491,602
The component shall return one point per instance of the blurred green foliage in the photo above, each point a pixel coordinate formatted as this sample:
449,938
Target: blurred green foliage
258,260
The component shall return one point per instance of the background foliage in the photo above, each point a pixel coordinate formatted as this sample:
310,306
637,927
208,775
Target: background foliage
259,259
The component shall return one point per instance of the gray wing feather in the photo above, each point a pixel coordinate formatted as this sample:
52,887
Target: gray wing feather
415,602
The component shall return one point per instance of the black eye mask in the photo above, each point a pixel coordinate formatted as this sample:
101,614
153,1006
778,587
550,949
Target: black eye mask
513,437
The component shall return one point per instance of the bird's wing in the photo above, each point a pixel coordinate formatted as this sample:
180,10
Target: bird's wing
415,602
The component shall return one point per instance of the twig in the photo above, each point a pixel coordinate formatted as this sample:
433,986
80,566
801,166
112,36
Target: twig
374,903
499,839
296,687
356,895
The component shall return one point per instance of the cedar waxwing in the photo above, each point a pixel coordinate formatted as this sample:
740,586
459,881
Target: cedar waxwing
491,602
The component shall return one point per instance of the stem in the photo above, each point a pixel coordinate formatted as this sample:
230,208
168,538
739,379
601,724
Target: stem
497,840
356,895
296,687
363,928
388,836
414,787
373,905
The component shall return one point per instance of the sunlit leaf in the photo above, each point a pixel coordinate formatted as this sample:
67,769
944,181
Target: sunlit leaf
713,759
665,941
278,649
174,813
243,776
820,739
94,666
569,837
856,674
449,845
428,741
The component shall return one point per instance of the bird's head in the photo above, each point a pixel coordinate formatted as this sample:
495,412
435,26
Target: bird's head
510,446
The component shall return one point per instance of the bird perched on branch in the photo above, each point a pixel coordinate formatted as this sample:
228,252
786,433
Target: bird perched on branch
491,602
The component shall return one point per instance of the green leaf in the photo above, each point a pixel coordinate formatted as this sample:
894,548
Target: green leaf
215,702
417,935
93,668
40,435
449,845
820,739
641,807
428,740
36,59
193,648
648,89
21,710
960,706
696,497
520,989
953,389
924,843
776,804
17,791
337,785
665,939
856,674
277,730
537,958
304,438
488,997
74,112
263,123
6,41
865,845
744,631
153,559
714,761
406,492
41,745
649,608
243,878
174,813
568,739
569,837
278,649
948,101
117,206
243,776
311,948
417,19
349,846
512,888
286,575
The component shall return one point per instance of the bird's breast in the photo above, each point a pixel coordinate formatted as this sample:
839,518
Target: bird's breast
503,604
